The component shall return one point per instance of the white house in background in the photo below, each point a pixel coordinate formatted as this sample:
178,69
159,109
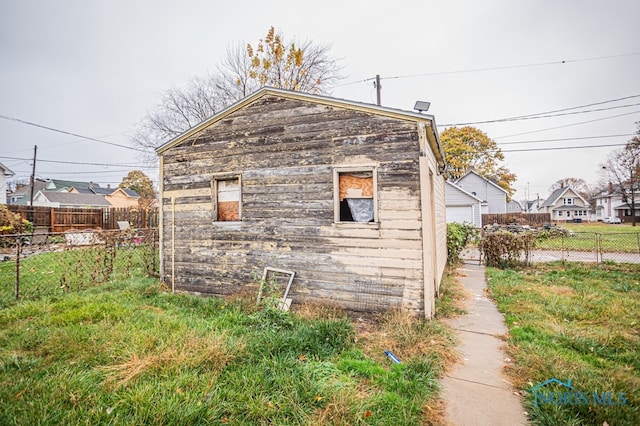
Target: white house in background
4,174
514,206
610,203
531,206
488,191
606,203
565,204
462,206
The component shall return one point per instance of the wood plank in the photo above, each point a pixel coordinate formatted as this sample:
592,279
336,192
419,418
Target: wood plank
380,253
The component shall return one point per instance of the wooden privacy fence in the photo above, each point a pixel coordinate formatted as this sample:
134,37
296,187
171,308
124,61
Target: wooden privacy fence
531,219
137,217
58,219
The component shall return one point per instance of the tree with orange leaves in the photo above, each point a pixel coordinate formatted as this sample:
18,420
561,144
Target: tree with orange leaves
468,147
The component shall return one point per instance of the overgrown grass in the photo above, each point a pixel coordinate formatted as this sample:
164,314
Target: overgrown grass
450,301
128,352
574,322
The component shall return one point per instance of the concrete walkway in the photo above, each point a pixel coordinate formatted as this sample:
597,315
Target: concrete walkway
476,391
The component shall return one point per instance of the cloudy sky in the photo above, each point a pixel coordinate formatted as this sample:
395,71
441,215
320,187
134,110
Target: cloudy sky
96,68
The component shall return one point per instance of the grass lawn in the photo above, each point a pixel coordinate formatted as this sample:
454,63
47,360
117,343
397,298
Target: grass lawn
589,236
129,352
574,322
602,228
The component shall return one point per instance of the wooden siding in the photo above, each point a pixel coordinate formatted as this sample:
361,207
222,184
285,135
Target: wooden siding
441,230
285,151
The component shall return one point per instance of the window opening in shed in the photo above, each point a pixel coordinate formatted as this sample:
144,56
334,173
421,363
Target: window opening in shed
356,196
227,199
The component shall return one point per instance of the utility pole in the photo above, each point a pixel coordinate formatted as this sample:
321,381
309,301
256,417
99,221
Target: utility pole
378,88
33,173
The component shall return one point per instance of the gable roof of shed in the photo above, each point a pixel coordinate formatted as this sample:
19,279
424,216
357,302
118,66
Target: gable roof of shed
432,137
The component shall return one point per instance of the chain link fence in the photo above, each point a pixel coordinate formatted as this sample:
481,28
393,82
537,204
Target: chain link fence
40,264
593,247
589,247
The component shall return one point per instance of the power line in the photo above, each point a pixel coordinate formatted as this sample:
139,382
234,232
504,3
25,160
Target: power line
598,58
564,147
495,68
76,162
86,173
583,106
533,117
568,125
566,139
549,114
29,123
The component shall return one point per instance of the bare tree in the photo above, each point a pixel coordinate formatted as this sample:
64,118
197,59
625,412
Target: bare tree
578,184
304,67
178,110
622,168
233,80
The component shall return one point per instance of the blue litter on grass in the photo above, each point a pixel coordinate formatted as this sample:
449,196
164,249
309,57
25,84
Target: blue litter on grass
392,357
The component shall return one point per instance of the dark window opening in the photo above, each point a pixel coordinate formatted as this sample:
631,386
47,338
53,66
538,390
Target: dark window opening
356,196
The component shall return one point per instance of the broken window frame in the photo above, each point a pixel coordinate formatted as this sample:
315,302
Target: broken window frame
365,168
215,179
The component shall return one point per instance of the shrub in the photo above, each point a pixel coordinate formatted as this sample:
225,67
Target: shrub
504,249
12,223
458,236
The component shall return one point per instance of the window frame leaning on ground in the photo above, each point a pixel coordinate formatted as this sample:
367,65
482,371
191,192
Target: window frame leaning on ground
216,185
354,170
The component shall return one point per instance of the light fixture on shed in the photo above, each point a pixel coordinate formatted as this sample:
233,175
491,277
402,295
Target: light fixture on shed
422,106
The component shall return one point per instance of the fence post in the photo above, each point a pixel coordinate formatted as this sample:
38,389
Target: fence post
18,246
598,248
638,238
153,251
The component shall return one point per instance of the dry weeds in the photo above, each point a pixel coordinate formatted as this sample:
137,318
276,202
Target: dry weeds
214,352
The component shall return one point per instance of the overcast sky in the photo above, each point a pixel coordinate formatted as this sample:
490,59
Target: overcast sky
95,68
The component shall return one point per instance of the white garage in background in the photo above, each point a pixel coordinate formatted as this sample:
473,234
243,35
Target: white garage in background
462,206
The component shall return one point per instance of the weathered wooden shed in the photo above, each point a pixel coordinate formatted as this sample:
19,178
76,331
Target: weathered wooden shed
348,195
